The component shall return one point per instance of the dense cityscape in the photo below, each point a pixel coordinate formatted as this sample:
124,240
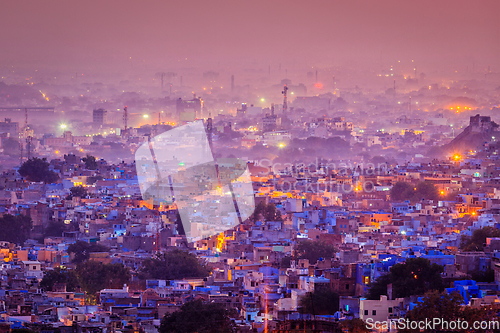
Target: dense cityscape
293,196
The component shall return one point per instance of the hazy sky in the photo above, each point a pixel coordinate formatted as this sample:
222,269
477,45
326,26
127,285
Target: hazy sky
74,34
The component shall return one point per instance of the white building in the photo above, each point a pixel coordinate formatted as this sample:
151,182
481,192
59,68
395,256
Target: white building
379,310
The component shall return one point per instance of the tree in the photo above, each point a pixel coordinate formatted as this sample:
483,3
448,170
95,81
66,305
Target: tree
95,276
313,250
286,261
478,239
320,302
55,228
90,162
15,228
401,191
354,325
271,213
405,191
379,287
37,170
59,275
77,191
413,277
486,276
173,265
427,191
447,307
199,317
266,212
81,250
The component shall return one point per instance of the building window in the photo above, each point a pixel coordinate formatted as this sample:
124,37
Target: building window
366,312
347,286
390,310
374,312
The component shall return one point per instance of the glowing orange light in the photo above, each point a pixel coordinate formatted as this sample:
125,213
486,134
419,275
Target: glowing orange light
442,192
319,85
456,157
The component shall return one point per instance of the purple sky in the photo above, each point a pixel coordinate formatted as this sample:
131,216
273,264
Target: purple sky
66,34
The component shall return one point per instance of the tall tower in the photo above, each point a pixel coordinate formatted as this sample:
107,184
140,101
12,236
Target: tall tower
161,75
209,130
272,109
125,119
285,105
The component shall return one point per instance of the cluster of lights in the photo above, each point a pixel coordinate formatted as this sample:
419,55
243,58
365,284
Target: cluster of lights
458,108
44,96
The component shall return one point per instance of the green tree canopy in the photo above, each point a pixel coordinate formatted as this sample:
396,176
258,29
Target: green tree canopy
55,228
379,287
413,277
95,276
172,265
37,170
313,250
59,275
448,307
266,212
90,162
77,191
401,191
320,302
199,317
81,250
354,325
405,191
15,228
478,239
